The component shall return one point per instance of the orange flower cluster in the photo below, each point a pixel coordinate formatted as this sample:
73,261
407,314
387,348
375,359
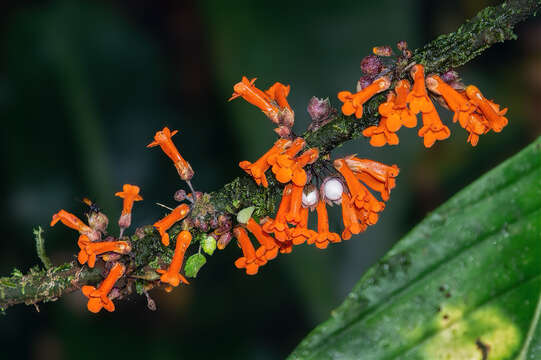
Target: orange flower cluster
285,166
91,247
474,112
360,208
290,225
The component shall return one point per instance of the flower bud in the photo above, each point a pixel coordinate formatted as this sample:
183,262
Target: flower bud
449,76
180,195
124,221
224,240
310,196
371,65
201,224
98,221
382,50
319,109
364,81
332,189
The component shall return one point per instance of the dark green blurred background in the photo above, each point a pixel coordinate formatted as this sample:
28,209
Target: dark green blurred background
85,85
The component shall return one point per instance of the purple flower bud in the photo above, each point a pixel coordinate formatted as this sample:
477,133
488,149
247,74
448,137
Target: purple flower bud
180,195
364,81
449,76
319,109
201,224
371,65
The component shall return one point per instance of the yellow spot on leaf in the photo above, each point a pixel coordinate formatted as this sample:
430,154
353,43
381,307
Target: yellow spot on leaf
458,340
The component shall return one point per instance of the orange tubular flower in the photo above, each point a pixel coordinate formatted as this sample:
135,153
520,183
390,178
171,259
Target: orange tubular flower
454,100
418,97
249,261
283,164
130,194
254,96
367,213
295,205
352,225
407,117
299,176
89,250
75,223
278,226
163,139
392,116
301,233
380,135
353,103
378,176
433,129
357,190
279,92
324,236
490,111
164,224
257,170
172,275
476,125
98,298
268,249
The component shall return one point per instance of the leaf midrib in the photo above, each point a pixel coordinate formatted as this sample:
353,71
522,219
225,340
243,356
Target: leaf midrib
531,330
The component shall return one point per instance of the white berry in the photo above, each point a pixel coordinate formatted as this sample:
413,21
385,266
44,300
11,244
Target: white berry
310,199
333,189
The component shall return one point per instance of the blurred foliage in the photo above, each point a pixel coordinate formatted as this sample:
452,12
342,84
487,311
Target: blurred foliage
85,85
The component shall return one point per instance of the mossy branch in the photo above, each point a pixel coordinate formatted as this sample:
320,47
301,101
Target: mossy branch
489,26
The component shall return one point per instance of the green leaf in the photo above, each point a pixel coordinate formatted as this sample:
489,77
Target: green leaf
245,214
194,264
463,284
209,244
